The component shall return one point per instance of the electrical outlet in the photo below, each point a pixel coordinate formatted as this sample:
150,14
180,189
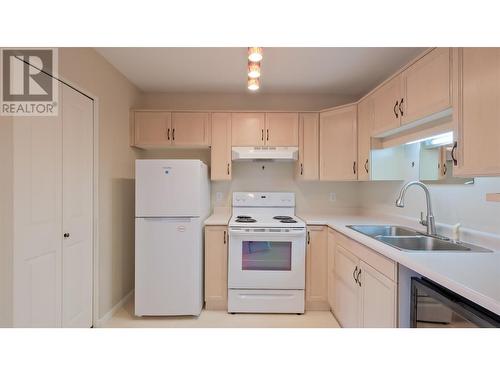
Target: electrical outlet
333,197
219,196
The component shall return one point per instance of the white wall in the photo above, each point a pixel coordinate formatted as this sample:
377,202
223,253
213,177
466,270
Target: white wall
6,211
465,204
279,176
91,72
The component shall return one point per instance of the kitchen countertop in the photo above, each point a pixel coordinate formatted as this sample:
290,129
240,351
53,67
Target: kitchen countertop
218,218
475,276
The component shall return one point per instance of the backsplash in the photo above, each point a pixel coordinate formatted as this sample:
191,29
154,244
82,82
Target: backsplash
280,176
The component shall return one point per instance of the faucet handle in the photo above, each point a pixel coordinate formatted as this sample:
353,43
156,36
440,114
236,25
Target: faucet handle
422,220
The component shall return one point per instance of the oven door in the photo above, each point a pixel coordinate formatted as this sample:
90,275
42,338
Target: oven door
267,258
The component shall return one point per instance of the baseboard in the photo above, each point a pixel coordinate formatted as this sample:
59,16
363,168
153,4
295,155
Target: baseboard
100,322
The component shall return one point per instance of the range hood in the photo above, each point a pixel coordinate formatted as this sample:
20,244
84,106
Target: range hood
265,153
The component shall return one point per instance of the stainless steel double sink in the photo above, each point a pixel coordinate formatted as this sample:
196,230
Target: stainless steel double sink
407,239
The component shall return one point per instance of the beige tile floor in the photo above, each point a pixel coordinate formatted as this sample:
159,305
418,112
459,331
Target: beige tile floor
125,318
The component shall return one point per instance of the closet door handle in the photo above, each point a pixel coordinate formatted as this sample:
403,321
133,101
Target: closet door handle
168,134
301,169
262,132
354,168
394,109
400,107
228,173
225,241
308,237
366,165
453,150
267,137
173,134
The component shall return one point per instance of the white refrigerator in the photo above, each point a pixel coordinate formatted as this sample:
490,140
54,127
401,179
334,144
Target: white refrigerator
172,201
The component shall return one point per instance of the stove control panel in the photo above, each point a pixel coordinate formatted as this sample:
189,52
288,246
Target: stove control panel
263,199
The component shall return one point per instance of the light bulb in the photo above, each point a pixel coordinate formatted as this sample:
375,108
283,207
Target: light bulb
253,84
254,70
255,54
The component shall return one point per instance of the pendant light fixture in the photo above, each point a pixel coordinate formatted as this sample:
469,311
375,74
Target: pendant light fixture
253,71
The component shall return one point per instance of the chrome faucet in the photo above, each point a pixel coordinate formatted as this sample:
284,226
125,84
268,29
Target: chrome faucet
429,221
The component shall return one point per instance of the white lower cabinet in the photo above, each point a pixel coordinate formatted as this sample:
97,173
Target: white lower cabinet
346,308
377,297
364,286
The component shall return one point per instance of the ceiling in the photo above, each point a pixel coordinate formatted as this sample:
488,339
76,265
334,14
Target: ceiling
343,71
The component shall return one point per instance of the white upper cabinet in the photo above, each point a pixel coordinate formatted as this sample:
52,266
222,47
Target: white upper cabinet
427,86
477,134
282,129
248,129
338,144
387,107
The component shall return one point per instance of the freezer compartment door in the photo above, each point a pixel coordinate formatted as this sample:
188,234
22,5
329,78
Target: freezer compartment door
168,187
168,266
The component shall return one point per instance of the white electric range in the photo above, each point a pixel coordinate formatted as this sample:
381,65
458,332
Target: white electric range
267,252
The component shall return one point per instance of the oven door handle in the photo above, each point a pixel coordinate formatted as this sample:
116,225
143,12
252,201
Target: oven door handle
242,233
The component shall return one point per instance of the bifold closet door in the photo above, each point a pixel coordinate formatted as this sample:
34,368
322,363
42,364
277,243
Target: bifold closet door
53,159
77,160
37,211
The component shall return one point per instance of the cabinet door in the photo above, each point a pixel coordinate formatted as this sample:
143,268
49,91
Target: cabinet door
308,163
365,119
220,152
317,269
338,144
190,129
216,267
386,100
378,299
478,133
247,129
346,289
331,268
427,85
282,129
152,128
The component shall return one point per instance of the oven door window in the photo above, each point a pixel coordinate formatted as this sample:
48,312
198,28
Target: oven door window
266,256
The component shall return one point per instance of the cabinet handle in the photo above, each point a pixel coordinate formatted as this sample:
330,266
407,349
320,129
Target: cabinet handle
66,235
394,109
301,169
267,137
455,161
228,169
168,134
224,237
357,277
366,165
173,134
445,169
262,132
354,167
308,237
354,275
400,107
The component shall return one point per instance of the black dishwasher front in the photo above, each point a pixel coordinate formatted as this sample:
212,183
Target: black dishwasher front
433,306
